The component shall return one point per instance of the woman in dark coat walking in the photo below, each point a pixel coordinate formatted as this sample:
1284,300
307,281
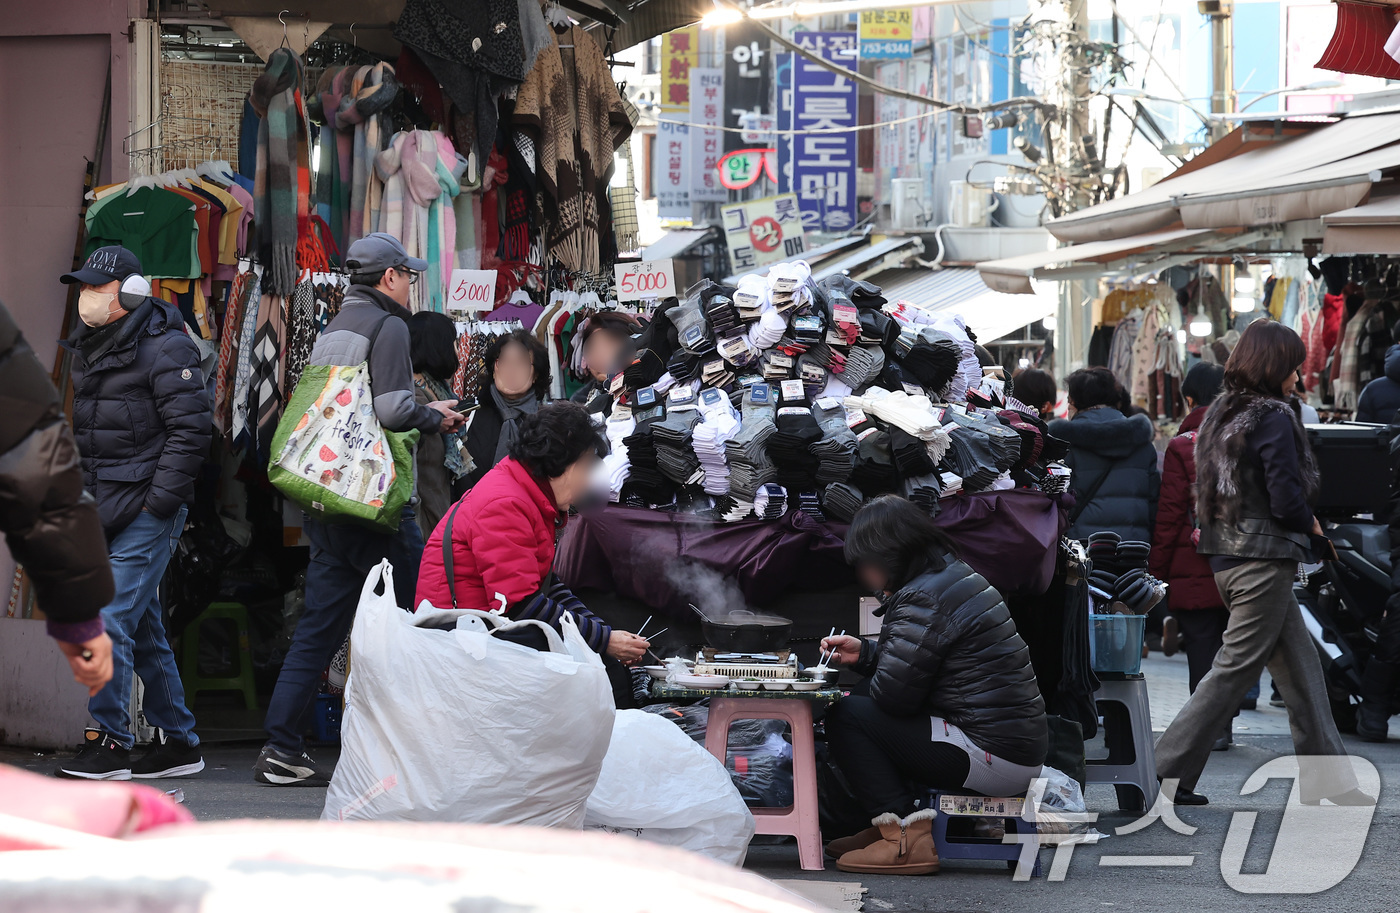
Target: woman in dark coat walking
1115,479
952,699
1255,481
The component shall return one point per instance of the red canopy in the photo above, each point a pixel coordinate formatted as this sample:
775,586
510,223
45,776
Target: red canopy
1358,44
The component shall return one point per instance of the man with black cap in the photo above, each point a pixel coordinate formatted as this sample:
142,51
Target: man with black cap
141,417
372,328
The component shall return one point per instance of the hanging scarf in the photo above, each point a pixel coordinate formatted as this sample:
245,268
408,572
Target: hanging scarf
301,332
456,457
243,372
333,186
512,410
228,350
372,89
422,172
283,182
266,393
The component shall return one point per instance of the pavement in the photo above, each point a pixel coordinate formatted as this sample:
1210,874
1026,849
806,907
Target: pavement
1096,876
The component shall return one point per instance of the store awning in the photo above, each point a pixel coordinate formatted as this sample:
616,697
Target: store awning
1370,229
868,258
990,314
1013,275
1358,44
1256,185
675,243
814,256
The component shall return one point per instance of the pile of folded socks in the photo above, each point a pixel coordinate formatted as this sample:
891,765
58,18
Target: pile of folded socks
911,457
746,451
924,490
790,448
709,438
771,501
841,500
730,509
836,450
971,457
645,483
863,364
930,355
808,503
674,453
874,473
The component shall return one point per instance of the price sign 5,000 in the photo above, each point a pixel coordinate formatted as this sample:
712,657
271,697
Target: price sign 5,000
472,290
645,279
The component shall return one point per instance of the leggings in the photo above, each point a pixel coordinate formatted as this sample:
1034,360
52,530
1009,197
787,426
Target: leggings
887,758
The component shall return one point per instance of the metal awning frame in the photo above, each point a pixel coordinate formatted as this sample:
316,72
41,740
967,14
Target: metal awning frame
1143,263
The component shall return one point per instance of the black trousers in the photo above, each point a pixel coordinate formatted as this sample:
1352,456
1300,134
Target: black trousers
884,756
1202,633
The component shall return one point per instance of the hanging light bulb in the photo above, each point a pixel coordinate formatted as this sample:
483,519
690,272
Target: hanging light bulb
1243,304
1200,324
1049,321
1181,337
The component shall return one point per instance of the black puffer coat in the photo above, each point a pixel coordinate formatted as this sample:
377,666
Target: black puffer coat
141,415
47,519
949,648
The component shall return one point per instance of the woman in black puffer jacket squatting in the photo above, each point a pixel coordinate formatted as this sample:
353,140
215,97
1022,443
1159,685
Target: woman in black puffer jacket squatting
952,700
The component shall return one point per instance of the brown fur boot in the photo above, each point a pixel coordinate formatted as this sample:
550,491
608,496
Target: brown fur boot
840,847
906,847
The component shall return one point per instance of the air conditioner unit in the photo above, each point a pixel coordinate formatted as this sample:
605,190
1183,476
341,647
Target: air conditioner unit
908,208
968,206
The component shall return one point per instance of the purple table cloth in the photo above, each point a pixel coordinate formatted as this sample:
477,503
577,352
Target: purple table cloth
1009,537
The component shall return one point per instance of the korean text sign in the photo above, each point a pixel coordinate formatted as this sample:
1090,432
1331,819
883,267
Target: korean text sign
824,162
886,34
706,107
763,231
674,156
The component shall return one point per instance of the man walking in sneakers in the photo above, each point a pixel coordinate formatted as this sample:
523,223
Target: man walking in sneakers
372,327
141,418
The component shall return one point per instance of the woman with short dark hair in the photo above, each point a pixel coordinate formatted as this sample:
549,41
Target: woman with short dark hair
1115,480
502,536
1255,481
442,459
1035,388
952,701
518,367
606,339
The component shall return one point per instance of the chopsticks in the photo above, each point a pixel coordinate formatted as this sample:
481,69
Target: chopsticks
824,654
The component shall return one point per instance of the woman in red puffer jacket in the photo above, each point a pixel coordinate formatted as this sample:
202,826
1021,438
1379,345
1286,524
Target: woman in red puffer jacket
503,533
1198,615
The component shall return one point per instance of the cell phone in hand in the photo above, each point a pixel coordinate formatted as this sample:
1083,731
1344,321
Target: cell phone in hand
466,407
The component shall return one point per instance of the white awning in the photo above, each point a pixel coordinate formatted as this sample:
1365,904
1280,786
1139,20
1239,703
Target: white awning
675,243
1266,174
1013,274
990,314
1370,229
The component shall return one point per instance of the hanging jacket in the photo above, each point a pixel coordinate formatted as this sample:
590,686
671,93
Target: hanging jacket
1104,442
141,415
1174,557
49,522
1381,397
503,538
949,648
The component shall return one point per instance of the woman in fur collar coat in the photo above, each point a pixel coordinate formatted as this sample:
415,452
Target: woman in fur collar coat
1255,481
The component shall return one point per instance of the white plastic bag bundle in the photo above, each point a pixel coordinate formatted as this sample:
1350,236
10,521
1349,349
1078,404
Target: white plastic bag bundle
444,722
659,785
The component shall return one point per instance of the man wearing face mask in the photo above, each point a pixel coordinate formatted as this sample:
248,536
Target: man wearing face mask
141,417
371,328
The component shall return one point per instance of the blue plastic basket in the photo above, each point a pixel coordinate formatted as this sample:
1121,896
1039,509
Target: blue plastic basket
1115,643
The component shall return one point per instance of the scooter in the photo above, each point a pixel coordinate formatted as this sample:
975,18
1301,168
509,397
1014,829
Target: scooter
1343,601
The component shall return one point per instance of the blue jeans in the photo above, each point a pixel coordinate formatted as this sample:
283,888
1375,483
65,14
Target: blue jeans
136,625
342,555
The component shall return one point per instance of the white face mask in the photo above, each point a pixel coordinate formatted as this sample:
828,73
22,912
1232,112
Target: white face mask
94,307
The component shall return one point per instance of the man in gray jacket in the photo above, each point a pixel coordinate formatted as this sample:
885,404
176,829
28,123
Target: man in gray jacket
371,327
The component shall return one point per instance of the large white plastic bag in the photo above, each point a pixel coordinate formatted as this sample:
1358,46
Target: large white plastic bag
659,785
444,724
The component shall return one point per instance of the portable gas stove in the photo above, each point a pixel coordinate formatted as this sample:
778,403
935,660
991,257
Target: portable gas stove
779,665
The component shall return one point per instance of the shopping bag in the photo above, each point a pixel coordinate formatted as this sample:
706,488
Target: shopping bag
331,456
659,785
446,722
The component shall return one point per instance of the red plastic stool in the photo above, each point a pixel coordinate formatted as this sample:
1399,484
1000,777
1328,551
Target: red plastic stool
800,820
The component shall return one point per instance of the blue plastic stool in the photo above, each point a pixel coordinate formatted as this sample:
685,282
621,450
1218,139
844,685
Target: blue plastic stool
983,847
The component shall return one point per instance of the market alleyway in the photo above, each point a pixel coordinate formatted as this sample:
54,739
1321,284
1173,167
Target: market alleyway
226,791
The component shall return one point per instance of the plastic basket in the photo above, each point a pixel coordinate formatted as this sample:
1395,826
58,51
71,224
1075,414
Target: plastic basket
1115,643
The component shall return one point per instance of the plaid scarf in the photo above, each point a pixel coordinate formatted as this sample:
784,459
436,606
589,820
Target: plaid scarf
229,339
283,182
371,90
